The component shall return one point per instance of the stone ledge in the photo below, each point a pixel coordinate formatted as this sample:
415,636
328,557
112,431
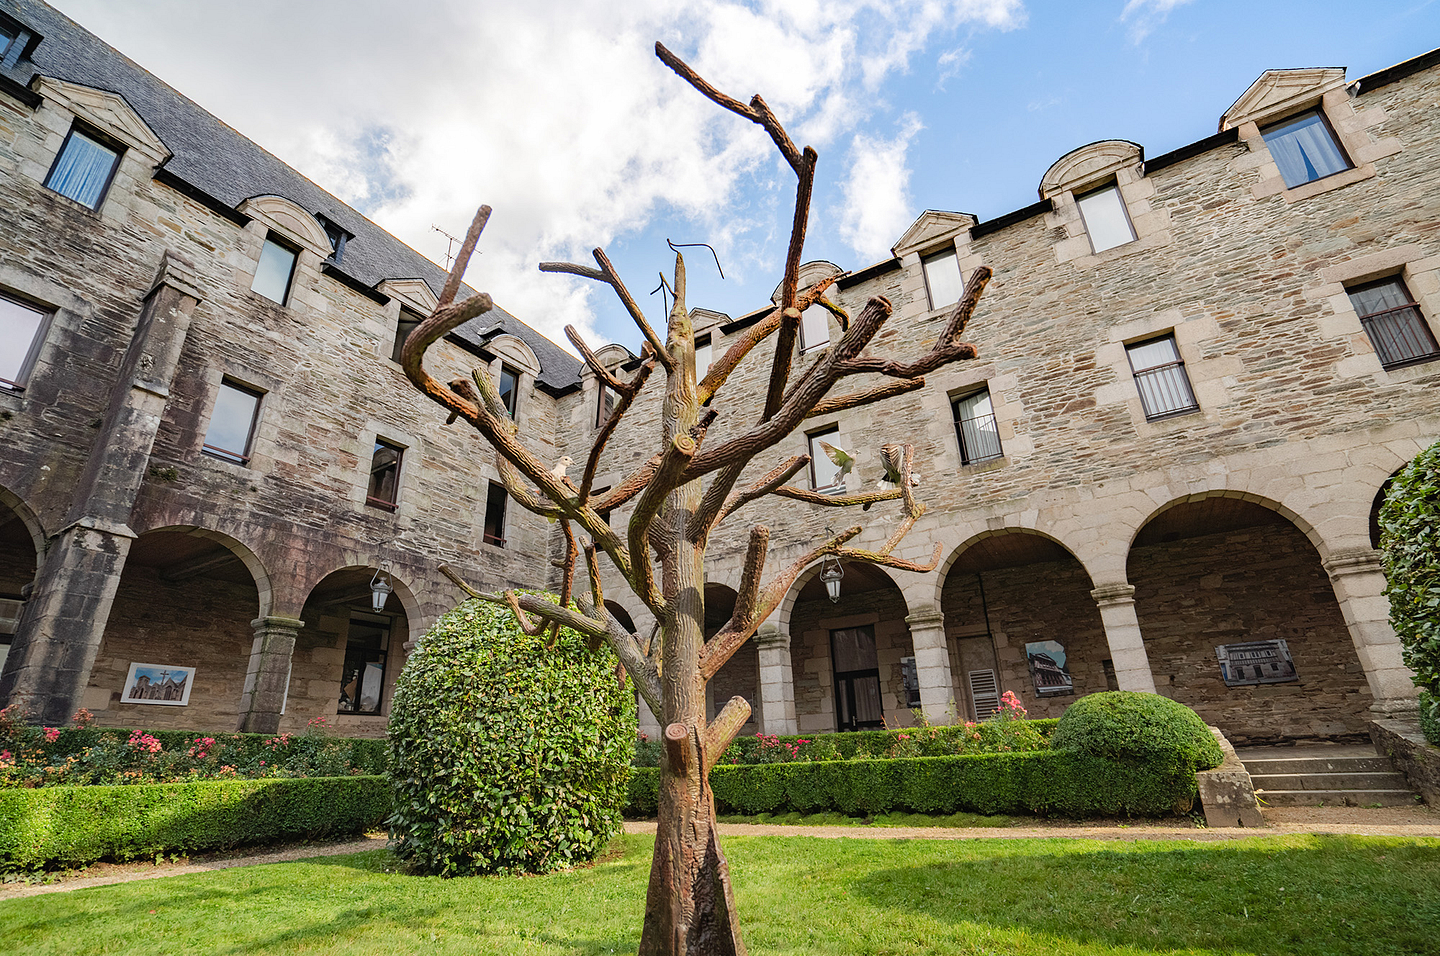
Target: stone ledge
1226,792
1413,756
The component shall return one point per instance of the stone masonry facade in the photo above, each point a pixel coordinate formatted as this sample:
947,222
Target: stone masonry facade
1130,545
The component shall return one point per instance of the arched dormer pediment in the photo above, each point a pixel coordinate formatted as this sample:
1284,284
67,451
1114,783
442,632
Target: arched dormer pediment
415,293
610,356
1090,165
109,113
810,273
1279,93
290,220
932,228
513,348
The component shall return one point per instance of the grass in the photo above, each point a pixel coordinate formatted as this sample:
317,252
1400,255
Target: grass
1332,895
795,818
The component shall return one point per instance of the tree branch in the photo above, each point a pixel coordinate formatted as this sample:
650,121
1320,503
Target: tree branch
841,403
607,274
772,479
723,728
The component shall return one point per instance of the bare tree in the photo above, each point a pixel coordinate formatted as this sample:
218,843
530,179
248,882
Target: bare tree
682,494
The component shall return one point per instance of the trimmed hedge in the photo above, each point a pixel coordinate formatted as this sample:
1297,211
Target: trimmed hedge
1137,729
1063,783
368,755
71,826
1430,717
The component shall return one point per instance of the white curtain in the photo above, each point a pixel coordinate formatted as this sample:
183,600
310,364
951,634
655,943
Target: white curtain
82,170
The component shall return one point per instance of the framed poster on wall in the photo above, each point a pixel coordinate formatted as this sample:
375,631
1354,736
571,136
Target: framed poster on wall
1047,668
1256,662
158,684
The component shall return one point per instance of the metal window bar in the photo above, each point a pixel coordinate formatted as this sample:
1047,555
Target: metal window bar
1165,391
1400,336
226,454
979,439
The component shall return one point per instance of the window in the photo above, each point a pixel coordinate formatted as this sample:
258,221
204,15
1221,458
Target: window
84,169
605,406
409,322
384,491
1105,218
495,500
942,278
509,388
1304,149
975,427
825,473
362,682
277,265
1394,323
7,36
595,495
20,327
1160,377
702,356
232,423
857,679
814,328
337,237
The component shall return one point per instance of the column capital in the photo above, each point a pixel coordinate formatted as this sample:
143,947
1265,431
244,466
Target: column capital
928,616
1353,561
277,623
1110,595
772,635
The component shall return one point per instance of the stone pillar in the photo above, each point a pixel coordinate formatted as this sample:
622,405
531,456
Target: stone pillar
267,679
932,665
59,636
649,723
1359,584
1122,633
776,712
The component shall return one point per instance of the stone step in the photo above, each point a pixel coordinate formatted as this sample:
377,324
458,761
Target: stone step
1389,780
1335,798
1271,765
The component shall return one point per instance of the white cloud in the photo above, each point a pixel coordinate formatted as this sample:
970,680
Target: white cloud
1144,16
877,196
557,114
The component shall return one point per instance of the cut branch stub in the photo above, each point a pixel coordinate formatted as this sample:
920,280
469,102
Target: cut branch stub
677,748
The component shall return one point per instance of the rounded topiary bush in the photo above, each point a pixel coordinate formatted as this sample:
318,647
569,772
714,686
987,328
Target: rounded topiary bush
507,756
1410,543
1134,728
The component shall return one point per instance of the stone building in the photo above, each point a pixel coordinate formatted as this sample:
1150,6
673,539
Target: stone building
1197,372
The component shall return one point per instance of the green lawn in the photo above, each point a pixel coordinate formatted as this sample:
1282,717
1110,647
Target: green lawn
1268,895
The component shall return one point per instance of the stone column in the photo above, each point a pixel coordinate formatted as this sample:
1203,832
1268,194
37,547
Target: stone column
267,679
932,665
649,723
59,637
776,712
1359,584
1122,633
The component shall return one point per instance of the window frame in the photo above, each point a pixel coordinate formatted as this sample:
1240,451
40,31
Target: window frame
1411,304
604,410
100,139
374,620
1335,140
372,499
274,238
966,458
37,341
807,347
495,540
513,405
223,454
925,261
810,439
704,343
402,333
1179,363
1111,186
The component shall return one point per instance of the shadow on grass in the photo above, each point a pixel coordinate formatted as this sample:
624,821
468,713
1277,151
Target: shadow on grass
1308,895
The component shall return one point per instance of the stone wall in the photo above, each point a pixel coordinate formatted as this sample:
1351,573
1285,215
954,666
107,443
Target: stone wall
740,677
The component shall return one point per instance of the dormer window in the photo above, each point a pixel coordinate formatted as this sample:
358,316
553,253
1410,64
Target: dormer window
702,355
337,237
814,328
84,168
1305,149
277,266
509,388
1106,220
7,36
942,278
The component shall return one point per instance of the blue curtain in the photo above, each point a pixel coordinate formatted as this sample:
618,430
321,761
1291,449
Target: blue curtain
83,170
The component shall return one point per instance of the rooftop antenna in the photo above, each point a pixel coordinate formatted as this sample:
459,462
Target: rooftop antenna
449,248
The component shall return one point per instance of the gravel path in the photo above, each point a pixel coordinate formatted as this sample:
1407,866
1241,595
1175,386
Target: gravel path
1417,821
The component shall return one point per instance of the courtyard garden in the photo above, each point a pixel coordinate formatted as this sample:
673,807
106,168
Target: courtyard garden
1266,895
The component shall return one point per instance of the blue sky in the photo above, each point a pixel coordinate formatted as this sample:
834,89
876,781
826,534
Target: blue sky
558,115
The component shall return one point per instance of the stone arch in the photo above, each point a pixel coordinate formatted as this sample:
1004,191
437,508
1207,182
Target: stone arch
617,611
513,348
1000,638
1213,571
27,517
740,675
810,273
957,552
187,596
1375,505
1090,165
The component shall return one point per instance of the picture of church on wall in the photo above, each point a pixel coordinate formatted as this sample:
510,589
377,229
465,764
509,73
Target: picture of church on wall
1047,668
158,684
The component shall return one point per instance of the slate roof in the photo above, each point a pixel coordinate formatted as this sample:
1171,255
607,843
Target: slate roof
219,162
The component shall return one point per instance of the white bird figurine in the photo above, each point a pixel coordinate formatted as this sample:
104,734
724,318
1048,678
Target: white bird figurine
560,466
893,457
841,459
